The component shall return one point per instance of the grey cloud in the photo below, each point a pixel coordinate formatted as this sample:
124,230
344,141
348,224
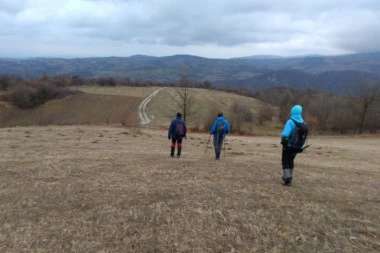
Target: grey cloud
12,6
170,25
328,25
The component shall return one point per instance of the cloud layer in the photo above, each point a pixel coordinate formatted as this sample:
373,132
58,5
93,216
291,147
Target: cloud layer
214,28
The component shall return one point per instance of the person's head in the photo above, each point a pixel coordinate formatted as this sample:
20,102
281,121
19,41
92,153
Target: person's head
179,115
220,114
296,110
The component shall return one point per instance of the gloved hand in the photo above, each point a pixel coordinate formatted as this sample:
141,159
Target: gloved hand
169,137
284,141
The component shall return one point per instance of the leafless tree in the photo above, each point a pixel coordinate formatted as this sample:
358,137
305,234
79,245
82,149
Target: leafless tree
364,95
185,99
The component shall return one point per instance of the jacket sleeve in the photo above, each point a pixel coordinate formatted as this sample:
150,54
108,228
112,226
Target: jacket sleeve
228,129
213,128
288,129
170,130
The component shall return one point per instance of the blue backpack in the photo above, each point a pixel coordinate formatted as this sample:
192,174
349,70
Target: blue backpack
179,129
299,135
220,129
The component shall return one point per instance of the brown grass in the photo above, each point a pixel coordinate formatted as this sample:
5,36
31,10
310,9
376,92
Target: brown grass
140,92
110,189
75,110
165,106
109,105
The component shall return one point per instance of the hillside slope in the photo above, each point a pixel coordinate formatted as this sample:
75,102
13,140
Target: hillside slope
116,105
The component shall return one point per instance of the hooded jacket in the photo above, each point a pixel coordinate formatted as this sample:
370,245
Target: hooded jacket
295,114
215,125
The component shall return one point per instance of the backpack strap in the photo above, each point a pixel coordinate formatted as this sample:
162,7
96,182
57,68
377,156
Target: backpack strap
295,122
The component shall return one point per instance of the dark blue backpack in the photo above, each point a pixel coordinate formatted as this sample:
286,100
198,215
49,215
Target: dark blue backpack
299,135
220,129
179,129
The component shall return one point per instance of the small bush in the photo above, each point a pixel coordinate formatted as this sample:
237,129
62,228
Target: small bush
5,81
210,118
21,96
266,113
26,97
239,115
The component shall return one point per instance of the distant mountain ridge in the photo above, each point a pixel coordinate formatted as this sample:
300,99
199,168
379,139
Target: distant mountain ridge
329,73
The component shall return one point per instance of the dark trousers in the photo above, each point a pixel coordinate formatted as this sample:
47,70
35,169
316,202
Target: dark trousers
288,156
218,143
179,146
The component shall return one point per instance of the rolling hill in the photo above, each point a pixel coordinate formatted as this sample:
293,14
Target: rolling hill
119,105
329,73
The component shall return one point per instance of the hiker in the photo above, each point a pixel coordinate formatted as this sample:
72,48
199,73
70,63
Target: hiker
219,129
293,139
177,131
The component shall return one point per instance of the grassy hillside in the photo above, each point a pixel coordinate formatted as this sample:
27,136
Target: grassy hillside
206,104
98,105
112,189
75,110
111,105
139,92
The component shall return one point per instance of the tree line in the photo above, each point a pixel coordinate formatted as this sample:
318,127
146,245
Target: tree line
356,111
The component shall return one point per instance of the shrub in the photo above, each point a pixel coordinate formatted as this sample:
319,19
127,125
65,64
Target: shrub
21,96
240,114
77,81
5,81
209,118
266,113
27,97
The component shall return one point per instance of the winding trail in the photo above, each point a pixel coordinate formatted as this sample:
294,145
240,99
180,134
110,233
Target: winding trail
142,113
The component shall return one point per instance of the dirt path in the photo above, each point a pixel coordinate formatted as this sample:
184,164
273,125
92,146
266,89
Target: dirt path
142,113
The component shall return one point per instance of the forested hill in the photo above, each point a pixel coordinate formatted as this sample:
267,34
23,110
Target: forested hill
329,73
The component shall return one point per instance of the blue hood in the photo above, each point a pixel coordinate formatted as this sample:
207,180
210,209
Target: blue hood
296,113
221,118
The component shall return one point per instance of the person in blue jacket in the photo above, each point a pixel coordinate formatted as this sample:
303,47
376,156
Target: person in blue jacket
177,131
219,129
288,152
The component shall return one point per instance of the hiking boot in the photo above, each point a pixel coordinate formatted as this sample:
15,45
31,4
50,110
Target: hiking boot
287,182
178,155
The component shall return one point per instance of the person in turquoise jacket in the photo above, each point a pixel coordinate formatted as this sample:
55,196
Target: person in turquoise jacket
288,151
219,129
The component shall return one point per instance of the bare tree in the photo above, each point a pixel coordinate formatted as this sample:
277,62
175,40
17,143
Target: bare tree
241,115
364,95
185,99
266,113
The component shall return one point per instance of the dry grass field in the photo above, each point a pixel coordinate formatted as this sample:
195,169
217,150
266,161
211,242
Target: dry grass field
75,110
98,105
113,189
165,105
110,105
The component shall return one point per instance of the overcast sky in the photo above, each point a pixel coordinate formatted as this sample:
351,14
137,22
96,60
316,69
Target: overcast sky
207,28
